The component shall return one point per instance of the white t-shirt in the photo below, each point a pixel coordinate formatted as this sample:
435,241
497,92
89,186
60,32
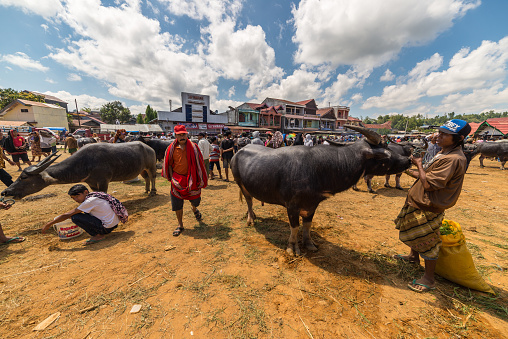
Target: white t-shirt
100,209
205,148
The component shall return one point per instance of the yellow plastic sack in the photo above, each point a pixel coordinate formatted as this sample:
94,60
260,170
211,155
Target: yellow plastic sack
455,263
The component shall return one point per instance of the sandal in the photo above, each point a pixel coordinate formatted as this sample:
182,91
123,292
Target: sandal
198,215
178,231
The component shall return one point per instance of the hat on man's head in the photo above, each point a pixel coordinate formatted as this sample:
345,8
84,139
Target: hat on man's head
456,126
180,129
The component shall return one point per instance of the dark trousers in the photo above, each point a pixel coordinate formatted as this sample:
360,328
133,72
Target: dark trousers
90,224
5,177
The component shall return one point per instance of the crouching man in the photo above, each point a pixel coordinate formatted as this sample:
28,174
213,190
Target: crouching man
98,213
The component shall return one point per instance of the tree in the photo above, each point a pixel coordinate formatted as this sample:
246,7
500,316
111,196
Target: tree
113,111
87,109
139,119
150,114
8,95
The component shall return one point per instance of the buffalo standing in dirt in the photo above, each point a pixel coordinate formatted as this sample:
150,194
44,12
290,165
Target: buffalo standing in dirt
300,177
95,164
491,149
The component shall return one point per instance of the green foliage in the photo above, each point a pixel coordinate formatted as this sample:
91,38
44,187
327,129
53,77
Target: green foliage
112,111
8,95
150,114
87,109
139,119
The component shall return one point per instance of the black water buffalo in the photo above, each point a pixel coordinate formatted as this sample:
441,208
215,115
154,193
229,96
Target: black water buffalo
491,149
84,141
159,146
95,164
388,167
300,177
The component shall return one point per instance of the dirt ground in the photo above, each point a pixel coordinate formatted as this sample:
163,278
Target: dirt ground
223,279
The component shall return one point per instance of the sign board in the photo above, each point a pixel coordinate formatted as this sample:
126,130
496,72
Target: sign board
195,106
189,125
215,126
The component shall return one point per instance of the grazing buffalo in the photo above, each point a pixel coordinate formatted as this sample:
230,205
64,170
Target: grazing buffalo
84,141
491,149
300,177
95,164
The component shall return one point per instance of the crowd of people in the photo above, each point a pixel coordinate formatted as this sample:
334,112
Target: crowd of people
189,165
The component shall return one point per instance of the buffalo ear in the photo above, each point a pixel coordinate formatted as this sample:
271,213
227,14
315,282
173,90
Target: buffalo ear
376,153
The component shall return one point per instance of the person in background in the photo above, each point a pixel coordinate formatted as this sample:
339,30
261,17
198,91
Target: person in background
256,140
205,148
437,188
16,145
226,152
214,158
36,146
298,140
120,136
269,137
5,177
243,141
308,140
184,167
71,143
432,149
96,137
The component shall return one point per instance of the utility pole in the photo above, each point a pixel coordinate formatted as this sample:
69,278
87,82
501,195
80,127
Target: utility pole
170,102
77,111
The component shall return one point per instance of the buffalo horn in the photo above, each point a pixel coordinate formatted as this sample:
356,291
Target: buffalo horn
41,166
372,137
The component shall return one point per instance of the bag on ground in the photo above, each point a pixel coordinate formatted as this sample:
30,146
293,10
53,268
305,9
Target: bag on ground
455,263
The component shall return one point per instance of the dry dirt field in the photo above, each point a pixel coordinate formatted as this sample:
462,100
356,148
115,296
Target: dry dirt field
223,279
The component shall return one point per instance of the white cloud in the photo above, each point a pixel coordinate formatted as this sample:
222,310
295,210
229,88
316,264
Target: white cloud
473,80
84,100
45,28
369,32
213,10
231,91
301,85
45,8
73,77
22,60
353,78
387,76
51,81
154,9
135,59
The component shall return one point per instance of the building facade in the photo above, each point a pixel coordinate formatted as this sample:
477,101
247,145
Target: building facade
37,114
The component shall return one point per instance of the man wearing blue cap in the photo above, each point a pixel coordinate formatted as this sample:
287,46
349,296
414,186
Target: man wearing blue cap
437,188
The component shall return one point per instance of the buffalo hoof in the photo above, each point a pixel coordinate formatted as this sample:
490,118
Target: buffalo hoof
293,250
311,247
399,188
388,186
355,188
372,191
152,193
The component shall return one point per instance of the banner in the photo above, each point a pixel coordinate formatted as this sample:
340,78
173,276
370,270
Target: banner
215,126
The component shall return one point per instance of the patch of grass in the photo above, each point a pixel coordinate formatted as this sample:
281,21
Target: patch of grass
505,247
494,304
251,322
252,253
388,265
231,281
475,250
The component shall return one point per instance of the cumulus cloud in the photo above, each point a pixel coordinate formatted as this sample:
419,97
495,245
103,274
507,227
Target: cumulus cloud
133,57
473,79
22,60
212,10
387,76
44,8
369,32
83,100
231,91
73,77
51,81
301,85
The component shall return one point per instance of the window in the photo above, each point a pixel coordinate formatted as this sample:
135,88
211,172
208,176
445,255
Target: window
24,110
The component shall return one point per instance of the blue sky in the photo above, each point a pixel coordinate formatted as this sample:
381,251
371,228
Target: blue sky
377,57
